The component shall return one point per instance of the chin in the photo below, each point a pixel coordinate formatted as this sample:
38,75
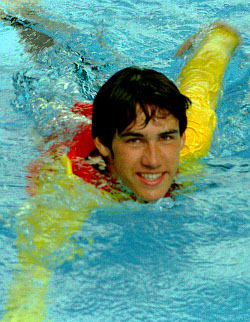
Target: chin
151,197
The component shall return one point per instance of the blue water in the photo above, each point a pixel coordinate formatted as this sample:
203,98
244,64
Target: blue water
182,260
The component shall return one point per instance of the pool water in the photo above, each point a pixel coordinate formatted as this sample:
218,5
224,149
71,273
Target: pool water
177,260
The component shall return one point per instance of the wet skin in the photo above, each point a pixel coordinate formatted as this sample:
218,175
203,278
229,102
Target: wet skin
146,158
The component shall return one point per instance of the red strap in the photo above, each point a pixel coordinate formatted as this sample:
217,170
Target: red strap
85,109
83,142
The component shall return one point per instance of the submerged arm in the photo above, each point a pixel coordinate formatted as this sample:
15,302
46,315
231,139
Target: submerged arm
47,224
34,27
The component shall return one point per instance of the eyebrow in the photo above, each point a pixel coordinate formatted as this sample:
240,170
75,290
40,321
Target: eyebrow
133,134
139,135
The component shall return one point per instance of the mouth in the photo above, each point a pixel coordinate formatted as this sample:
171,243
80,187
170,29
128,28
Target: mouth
151,179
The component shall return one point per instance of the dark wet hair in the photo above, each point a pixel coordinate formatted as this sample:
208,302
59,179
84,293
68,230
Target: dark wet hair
115,104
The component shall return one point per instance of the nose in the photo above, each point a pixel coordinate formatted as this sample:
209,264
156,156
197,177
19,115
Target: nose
151,157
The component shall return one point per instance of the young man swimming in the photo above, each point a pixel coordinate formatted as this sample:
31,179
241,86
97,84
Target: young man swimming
139,116
143,125
139,124
139,120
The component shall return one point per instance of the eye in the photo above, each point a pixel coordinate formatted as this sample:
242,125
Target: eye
133,140
166,137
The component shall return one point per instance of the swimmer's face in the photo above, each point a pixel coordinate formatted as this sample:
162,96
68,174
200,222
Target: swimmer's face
146,158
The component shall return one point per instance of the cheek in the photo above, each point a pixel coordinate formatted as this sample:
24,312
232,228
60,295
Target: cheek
125,159
123,155
172,155
119,156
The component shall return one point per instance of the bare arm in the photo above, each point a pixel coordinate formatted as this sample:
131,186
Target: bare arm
33,26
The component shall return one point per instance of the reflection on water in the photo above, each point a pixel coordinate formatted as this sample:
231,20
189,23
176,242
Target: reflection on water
187,257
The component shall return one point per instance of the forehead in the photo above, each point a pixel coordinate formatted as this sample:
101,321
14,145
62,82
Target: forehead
161,119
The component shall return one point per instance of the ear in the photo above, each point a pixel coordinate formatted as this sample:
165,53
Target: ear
103,149
183,140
